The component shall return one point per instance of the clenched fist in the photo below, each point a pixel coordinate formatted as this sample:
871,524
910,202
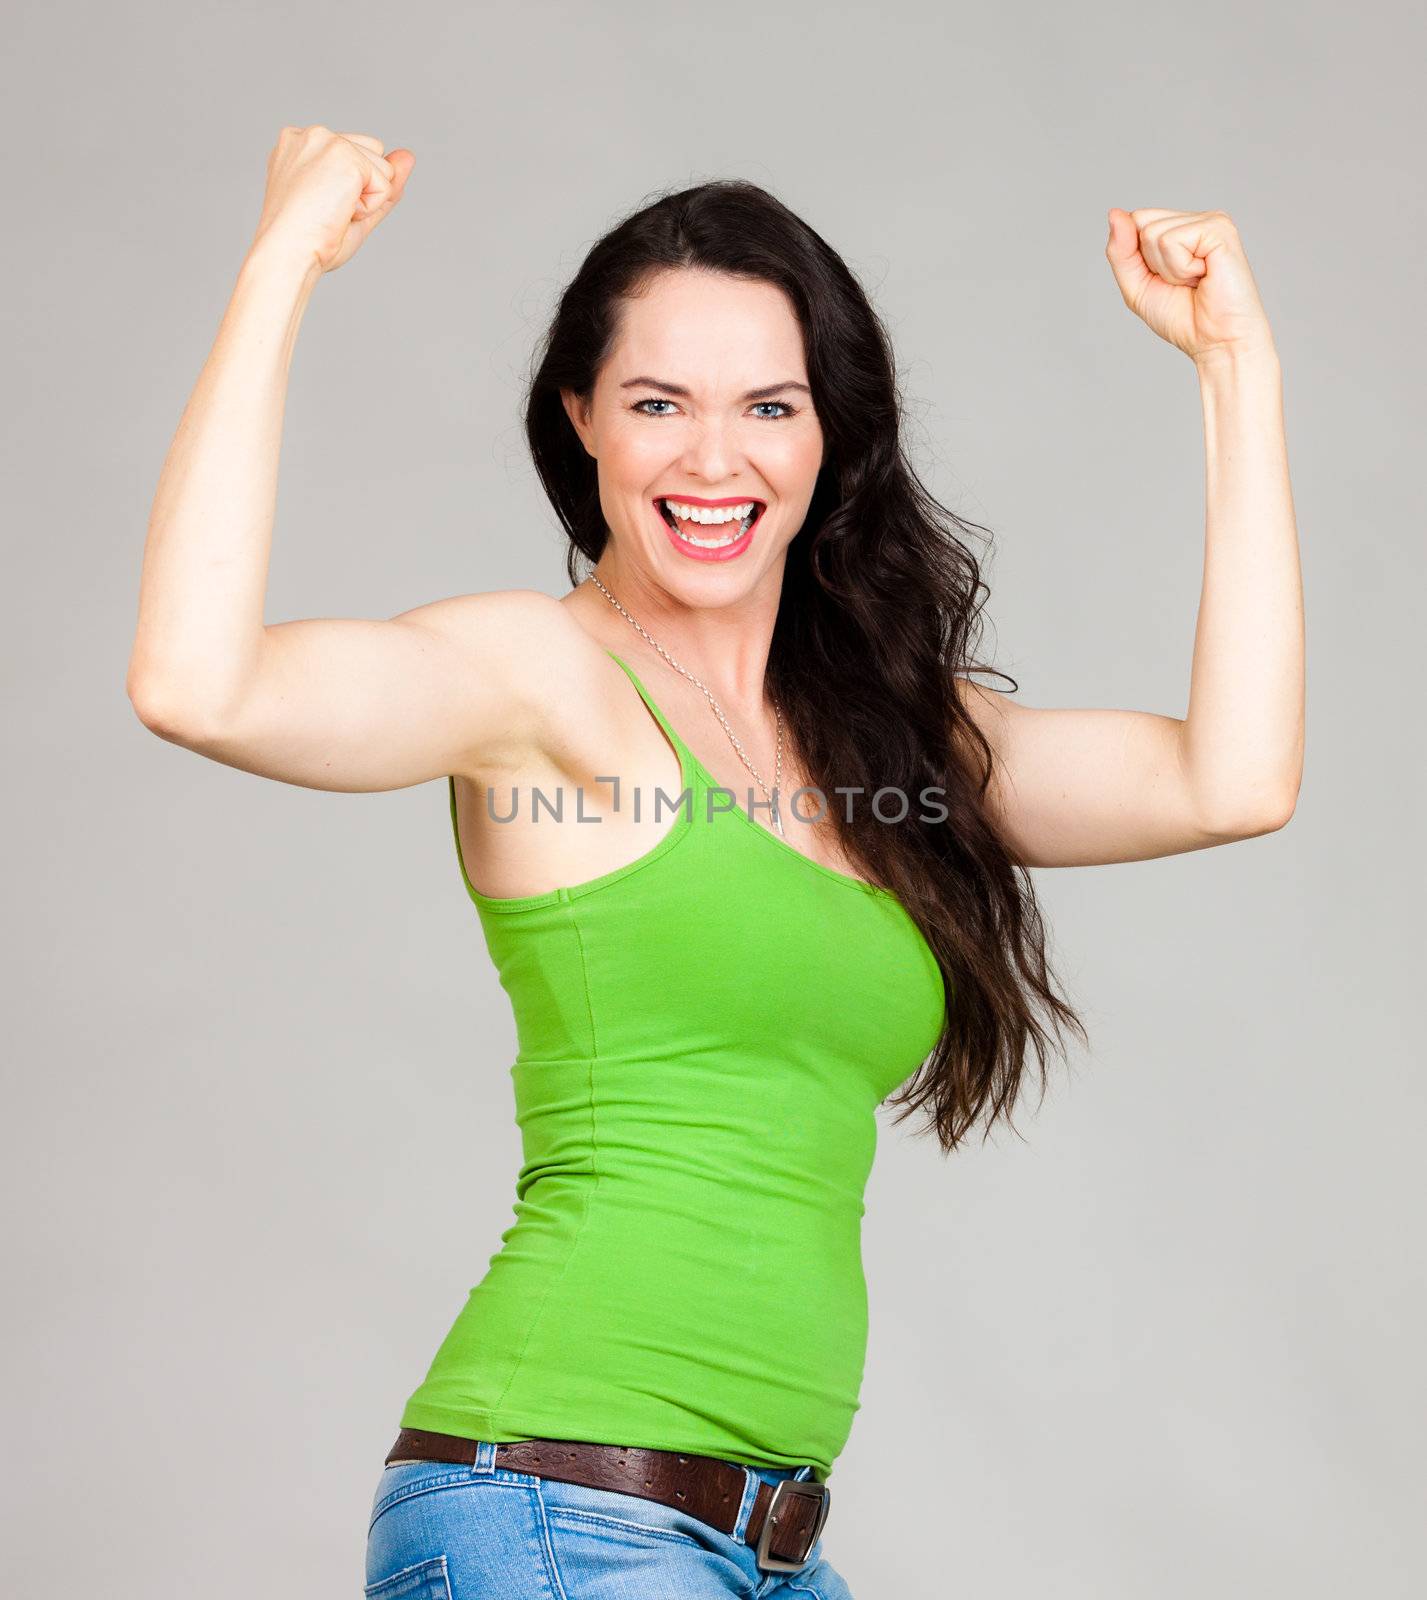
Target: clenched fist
1185,274
326,192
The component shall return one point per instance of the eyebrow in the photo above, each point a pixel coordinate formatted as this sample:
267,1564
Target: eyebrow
678,389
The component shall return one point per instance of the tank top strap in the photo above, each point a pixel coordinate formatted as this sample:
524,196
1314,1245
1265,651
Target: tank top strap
691,761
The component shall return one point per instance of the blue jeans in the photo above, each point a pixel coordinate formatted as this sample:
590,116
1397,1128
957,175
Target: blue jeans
442,1531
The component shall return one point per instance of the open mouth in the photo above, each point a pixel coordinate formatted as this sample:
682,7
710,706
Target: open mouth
711,527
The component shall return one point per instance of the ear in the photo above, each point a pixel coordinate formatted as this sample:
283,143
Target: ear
579,416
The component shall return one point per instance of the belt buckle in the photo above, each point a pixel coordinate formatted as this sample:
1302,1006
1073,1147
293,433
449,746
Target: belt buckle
810,1489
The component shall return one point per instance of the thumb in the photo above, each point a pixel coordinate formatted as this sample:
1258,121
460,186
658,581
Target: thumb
1122,250
401,163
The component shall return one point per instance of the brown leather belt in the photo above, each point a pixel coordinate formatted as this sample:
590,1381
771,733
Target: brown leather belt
784,1525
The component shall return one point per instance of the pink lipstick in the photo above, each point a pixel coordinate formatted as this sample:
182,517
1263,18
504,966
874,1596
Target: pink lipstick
684,542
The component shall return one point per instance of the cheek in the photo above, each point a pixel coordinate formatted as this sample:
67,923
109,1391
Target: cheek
796,463
632,459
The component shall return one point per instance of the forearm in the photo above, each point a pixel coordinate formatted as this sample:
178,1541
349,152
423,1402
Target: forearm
205,567
1242,739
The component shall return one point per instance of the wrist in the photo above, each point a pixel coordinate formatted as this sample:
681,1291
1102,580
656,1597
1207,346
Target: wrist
275,260
1237,359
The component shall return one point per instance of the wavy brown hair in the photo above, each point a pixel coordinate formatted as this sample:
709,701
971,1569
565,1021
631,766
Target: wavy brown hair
880,611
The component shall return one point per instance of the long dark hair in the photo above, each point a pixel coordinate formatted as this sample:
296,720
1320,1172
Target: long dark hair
879,612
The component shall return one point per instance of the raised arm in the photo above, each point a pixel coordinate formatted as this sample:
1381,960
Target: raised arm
350,704
1082,787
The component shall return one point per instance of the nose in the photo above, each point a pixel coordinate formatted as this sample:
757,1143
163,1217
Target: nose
710,452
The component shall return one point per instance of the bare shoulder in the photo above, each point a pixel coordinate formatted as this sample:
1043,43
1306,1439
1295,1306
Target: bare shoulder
993,712
1000,720
493,627
530,669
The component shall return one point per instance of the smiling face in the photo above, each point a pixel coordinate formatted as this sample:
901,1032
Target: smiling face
703,407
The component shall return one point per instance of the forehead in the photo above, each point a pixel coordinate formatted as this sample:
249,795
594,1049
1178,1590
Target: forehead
707,329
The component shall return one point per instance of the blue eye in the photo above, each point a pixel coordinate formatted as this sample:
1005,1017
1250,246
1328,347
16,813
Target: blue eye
654,400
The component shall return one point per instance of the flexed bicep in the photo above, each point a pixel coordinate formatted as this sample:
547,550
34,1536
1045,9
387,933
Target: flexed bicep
1088,786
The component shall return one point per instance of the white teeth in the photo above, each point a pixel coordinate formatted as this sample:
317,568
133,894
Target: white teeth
743,514
710,544
710,513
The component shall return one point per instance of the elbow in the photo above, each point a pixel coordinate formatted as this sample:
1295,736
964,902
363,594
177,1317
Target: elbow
1284,802
1264,812
164,713
151,707
146,694
1274,817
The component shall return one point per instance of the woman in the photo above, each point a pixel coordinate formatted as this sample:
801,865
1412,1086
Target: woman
646,1393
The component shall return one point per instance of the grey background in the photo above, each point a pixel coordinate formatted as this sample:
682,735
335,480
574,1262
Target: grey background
258,1139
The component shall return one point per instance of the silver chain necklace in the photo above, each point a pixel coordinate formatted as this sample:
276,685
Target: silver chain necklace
776,813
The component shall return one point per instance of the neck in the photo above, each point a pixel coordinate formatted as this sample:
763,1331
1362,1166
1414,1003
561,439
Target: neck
726,647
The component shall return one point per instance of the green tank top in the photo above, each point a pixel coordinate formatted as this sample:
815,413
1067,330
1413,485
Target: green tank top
703,1038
